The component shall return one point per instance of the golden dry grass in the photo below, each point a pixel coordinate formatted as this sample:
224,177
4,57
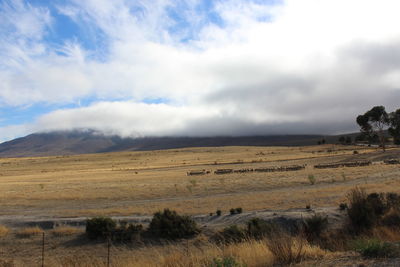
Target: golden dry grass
251,253
127,183
29,232
4,231
65,231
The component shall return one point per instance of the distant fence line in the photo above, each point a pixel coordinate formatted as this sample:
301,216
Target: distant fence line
392,161
343,164
291,167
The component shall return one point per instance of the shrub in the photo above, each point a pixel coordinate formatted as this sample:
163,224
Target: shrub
286,249
219,212
128,232
29,232
377,202
361,213
239,210
311,179
308,207
393,201
100,227
231,234
168,224
366,211
392,219
225,262
258,229
232,211
343,206
314,226
374,248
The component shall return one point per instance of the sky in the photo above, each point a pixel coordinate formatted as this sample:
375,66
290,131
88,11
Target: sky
196,67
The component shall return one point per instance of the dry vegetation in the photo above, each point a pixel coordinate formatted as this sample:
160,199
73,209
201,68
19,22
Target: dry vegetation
3,230
29,232
198,252
65,231
129,183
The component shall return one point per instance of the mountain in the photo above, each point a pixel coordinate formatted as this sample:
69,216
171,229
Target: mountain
75,142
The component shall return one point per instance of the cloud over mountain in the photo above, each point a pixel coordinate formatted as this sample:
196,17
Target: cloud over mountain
139,68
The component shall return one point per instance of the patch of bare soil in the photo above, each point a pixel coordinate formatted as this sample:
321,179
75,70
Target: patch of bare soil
289,219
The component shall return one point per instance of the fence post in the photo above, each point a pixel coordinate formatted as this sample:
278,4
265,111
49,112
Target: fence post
187,247
108,250
43,249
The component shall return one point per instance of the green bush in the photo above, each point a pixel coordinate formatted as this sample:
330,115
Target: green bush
232,211
100,227
239,210
374,248
127,232
168,224
225,262
258,228
314,226
311,179
219,212
231,234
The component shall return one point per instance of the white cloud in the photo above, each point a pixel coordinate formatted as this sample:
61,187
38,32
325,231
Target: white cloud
266,68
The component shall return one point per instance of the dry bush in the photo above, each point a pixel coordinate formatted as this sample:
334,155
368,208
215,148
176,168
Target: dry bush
3,230
286,249
289,249
361,213
29,232
65,231
385,233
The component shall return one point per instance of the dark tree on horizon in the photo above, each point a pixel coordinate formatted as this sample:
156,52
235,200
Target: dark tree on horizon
373,122
394,129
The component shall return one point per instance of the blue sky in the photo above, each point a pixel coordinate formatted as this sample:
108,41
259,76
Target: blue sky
192,67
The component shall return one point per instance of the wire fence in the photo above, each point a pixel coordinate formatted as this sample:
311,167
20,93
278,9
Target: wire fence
48,250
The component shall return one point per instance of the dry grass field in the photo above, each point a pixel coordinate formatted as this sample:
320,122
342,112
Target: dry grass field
128,183
141,183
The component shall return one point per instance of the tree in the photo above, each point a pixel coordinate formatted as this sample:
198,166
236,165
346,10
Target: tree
394,130
374,122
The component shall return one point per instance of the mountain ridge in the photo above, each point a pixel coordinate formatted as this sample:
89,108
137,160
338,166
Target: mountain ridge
76,142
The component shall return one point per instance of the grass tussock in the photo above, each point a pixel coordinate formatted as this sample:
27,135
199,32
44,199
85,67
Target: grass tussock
65,231
4,230
29,232
287,249
375,248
